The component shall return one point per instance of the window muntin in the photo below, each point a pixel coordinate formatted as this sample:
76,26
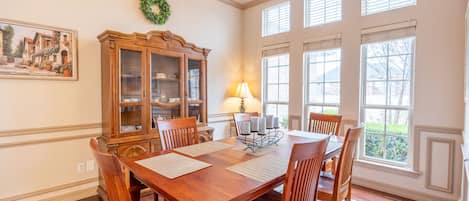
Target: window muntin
376,6
323,81
276,19
276,87
319,12
386,110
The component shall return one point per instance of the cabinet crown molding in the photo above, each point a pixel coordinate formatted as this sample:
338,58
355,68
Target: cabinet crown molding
169,38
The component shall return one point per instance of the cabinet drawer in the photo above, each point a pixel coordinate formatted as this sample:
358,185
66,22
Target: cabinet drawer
133,149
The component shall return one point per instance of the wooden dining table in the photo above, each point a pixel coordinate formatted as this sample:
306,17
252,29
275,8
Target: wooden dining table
217,183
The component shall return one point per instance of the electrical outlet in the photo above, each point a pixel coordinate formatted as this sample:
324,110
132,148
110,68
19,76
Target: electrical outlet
89,165
81,167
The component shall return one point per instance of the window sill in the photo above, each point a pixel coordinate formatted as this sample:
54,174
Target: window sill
387,168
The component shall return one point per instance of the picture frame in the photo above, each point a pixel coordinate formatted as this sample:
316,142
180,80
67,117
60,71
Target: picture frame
34,51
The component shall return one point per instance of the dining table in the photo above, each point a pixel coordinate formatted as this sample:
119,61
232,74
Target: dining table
217,182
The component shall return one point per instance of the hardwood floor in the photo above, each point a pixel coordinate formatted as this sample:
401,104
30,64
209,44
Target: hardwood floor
358,194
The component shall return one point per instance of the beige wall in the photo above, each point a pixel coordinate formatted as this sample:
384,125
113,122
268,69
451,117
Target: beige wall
438,78
36,103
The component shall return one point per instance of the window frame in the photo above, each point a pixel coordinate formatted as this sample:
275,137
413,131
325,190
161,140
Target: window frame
366,13
306,78
306,20
265,100
264,23
410,108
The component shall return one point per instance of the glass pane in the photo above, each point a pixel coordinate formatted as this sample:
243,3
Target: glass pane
284,60
195,110
399,93
131,76
272,61
316,72
374,145
283,115
331,110
272,92
332,71
316,57
131,118
194,78
402,46
396,148
163,113
376,49
399,67
316,93
283,75
165,79
315,109
333,55
376,93
283,93
272,75
376,69
397,122
332,93
374,121
271,109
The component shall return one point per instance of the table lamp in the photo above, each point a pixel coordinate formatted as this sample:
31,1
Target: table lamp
243,92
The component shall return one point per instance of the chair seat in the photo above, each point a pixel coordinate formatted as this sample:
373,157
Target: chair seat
270,196
325,188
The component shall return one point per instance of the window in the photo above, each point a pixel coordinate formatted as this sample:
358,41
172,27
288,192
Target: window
276,83
387,85
376,6
276,19
323,81
319,12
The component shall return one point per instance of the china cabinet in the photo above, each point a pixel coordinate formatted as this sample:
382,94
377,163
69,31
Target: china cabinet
145,78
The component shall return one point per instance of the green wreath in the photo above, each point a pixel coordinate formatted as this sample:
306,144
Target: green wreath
157,18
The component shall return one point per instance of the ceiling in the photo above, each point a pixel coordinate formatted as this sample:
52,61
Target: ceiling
243,1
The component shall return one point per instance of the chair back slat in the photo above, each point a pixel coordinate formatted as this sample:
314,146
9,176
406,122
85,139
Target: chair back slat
112,174
343,176
324,123
237,117
303,171
176,133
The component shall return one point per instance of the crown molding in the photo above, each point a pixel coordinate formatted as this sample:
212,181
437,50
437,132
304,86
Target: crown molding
243,6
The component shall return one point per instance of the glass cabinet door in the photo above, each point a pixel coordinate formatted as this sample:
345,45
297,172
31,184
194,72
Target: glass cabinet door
131,91
195,86
165,86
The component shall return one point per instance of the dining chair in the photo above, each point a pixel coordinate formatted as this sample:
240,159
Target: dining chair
303,171
339,187
237,117
112,174
326,124
176,133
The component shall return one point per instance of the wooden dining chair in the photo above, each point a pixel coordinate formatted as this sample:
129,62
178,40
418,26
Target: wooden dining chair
176,133
339,187
326,124
237,117
303,171
112,174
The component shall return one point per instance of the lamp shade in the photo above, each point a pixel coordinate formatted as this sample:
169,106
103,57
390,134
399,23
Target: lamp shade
243,90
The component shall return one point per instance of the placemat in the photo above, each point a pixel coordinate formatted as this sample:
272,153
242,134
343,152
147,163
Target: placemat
259,151
263,169
203,148
172,165
307,134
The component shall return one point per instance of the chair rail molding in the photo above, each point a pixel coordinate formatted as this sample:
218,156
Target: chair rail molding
51,129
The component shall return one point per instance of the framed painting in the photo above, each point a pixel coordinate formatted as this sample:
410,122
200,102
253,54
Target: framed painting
32,51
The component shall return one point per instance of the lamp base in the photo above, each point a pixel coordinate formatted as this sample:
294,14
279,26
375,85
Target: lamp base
242,107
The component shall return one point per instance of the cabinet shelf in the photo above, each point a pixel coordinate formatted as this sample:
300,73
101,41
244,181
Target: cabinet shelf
166,79
160,104
128,104
195,101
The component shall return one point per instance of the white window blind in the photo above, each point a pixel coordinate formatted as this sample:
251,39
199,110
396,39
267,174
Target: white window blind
376,6
323,43
276,19
319,12
390,32
277,49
